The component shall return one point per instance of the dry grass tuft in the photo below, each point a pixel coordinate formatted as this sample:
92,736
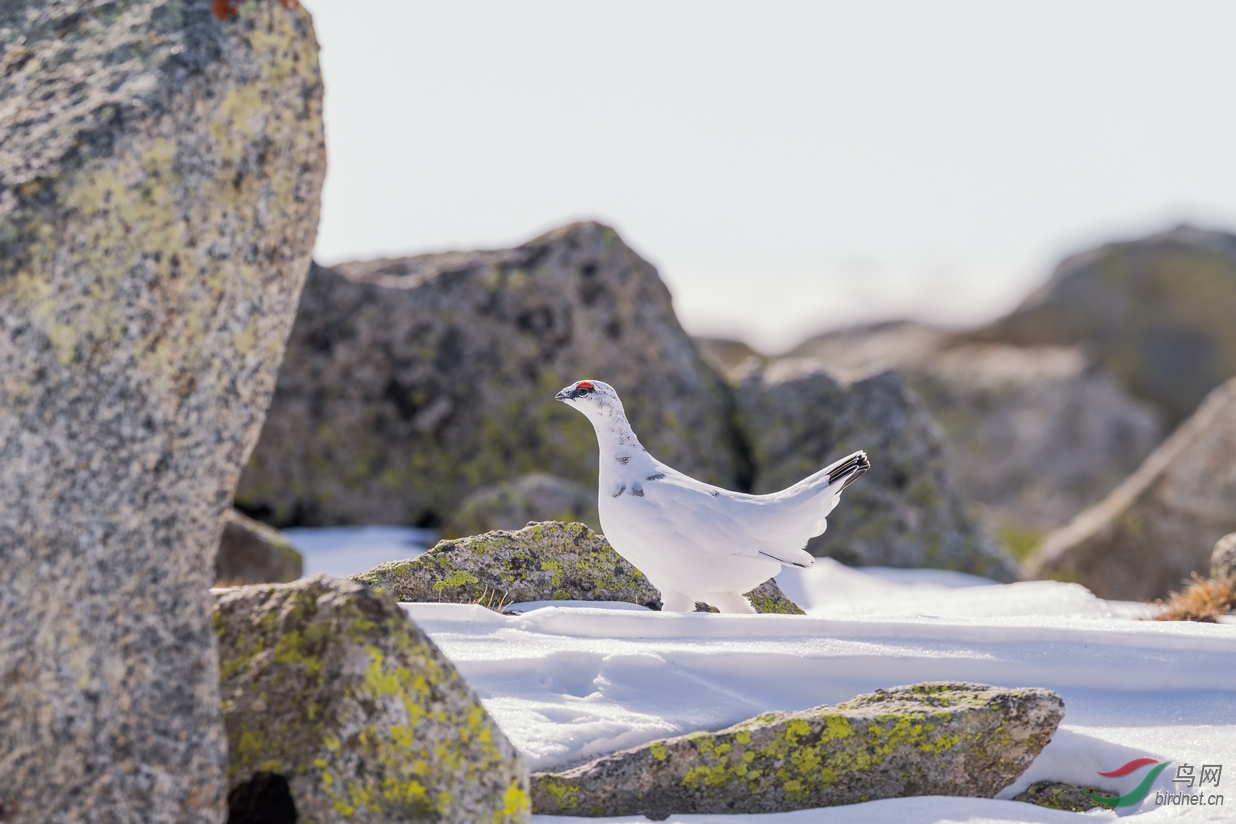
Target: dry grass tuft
487,600
1204,599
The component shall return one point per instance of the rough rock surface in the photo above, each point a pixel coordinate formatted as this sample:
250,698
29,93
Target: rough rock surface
511,505
944,738
1156,311
1058,796
1036,433
331,686
1223,557
1158,527
906,511
253,553
542,562
410,383
160,174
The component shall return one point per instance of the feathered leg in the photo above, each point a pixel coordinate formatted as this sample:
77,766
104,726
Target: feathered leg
729,602
672,601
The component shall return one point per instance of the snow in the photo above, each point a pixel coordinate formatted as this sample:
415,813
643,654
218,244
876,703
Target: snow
345,550
569,681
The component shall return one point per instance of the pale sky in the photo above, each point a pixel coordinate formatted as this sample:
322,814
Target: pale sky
788,166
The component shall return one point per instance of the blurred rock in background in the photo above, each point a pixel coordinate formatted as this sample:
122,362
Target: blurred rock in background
1156,312
411,383
1035,434
871,347
907,510
1223,557
419,391
1048,409
252,553
1039,433
724,354
1159,526
512,504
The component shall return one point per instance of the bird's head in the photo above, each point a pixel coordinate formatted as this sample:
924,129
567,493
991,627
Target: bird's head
595,399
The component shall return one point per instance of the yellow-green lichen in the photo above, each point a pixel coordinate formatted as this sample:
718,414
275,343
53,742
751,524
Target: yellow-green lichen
459,578
422,743
804,753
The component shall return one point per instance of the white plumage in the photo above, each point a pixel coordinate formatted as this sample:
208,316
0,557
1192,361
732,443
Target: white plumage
695,541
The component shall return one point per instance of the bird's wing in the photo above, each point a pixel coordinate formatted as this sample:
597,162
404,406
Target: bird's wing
779,523
705,516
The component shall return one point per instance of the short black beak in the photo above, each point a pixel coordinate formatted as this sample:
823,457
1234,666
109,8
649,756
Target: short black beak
562,396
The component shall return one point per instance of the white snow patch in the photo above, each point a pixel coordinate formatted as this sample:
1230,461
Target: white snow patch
528,606
831,589
570,681
346,550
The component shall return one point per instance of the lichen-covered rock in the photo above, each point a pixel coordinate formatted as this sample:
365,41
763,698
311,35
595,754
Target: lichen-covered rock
768,599
1223,557
513,504
160,173
410,383
1058,796
253,553
331,686
906,511
1156,311
943,738
1158,527
548,561
1037,434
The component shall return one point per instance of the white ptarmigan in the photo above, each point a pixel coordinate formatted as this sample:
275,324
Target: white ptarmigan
695,541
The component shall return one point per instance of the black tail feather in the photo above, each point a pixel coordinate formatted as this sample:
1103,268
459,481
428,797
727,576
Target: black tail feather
850,471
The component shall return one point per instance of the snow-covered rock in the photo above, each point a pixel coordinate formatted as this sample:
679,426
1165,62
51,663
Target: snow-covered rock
330,685
944,738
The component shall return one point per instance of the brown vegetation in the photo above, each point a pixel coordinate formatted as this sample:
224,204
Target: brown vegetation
1204,599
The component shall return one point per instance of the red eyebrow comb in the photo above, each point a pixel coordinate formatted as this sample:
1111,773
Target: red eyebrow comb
584,385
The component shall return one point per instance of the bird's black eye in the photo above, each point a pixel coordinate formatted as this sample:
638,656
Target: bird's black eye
583,390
